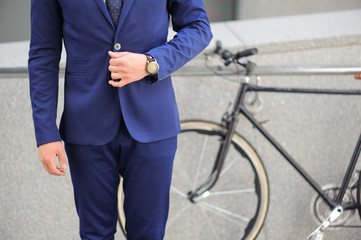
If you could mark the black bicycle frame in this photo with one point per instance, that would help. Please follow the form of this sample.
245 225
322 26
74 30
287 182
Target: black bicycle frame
287 156
231 123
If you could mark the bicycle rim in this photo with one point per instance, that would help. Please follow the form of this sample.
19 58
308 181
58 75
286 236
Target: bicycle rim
237 205
358 192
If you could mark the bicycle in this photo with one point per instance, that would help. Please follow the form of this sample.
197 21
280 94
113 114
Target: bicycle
203 184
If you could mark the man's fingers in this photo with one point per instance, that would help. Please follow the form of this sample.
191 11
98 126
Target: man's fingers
54 170
115 75
62 159
113 54
48 153
113 68
45 165
51 168
45 161
117 54
121 83
129 67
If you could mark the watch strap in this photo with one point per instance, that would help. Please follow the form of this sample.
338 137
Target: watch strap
150 58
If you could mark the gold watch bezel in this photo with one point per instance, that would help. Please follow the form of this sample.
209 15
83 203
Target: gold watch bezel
152 65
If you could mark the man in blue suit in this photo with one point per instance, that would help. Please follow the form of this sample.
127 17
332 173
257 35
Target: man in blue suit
120 116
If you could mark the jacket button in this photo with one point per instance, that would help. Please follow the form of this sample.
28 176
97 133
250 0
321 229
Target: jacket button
117 46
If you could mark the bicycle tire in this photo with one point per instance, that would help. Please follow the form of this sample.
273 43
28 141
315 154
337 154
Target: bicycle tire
237 205
358 192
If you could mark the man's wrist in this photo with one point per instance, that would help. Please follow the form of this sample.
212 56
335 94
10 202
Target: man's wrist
152 68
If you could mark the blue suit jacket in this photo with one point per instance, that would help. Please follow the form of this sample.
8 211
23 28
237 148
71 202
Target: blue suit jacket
93 109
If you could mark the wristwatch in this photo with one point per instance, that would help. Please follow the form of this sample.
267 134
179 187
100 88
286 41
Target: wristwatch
152 66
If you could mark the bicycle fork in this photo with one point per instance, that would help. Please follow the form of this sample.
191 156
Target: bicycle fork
230 122
203 190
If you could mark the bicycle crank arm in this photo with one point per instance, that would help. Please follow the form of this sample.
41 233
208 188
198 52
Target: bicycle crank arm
318 233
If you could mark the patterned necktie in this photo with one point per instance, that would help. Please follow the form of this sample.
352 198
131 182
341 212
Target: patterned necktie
114 7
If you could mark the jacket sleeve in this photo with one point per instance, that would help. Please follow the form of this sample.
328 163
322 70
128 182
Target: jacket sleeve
43 65
191 23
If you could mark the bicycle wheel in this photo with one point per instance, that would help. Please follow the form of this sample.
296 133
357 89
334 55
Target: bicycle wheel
358 192
236 206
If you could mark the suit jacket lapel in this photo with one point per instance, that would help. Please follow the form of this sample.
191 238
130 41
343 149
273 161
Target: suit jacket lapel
123 14
104 10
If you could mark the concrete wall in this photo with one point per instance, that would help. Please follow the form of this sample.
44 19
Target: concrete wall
14 20
320 131
15 15
248 9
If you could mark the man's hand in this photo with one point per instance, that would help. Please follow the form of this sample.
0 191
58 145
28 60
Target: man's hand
47 154
127 66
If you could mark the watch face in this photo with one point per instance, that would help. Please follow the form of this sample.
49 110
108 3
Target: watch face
152 67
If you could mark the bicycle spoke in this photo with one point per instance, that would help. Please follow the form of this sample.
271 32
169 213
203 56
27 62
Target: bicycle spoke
201 157
184 173
180 212
178 192
210 224
233 192
224 211
228 167
230 219
234 203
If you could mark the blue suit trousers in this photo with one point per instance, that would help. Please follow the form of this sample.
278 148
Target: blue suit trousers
146 169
